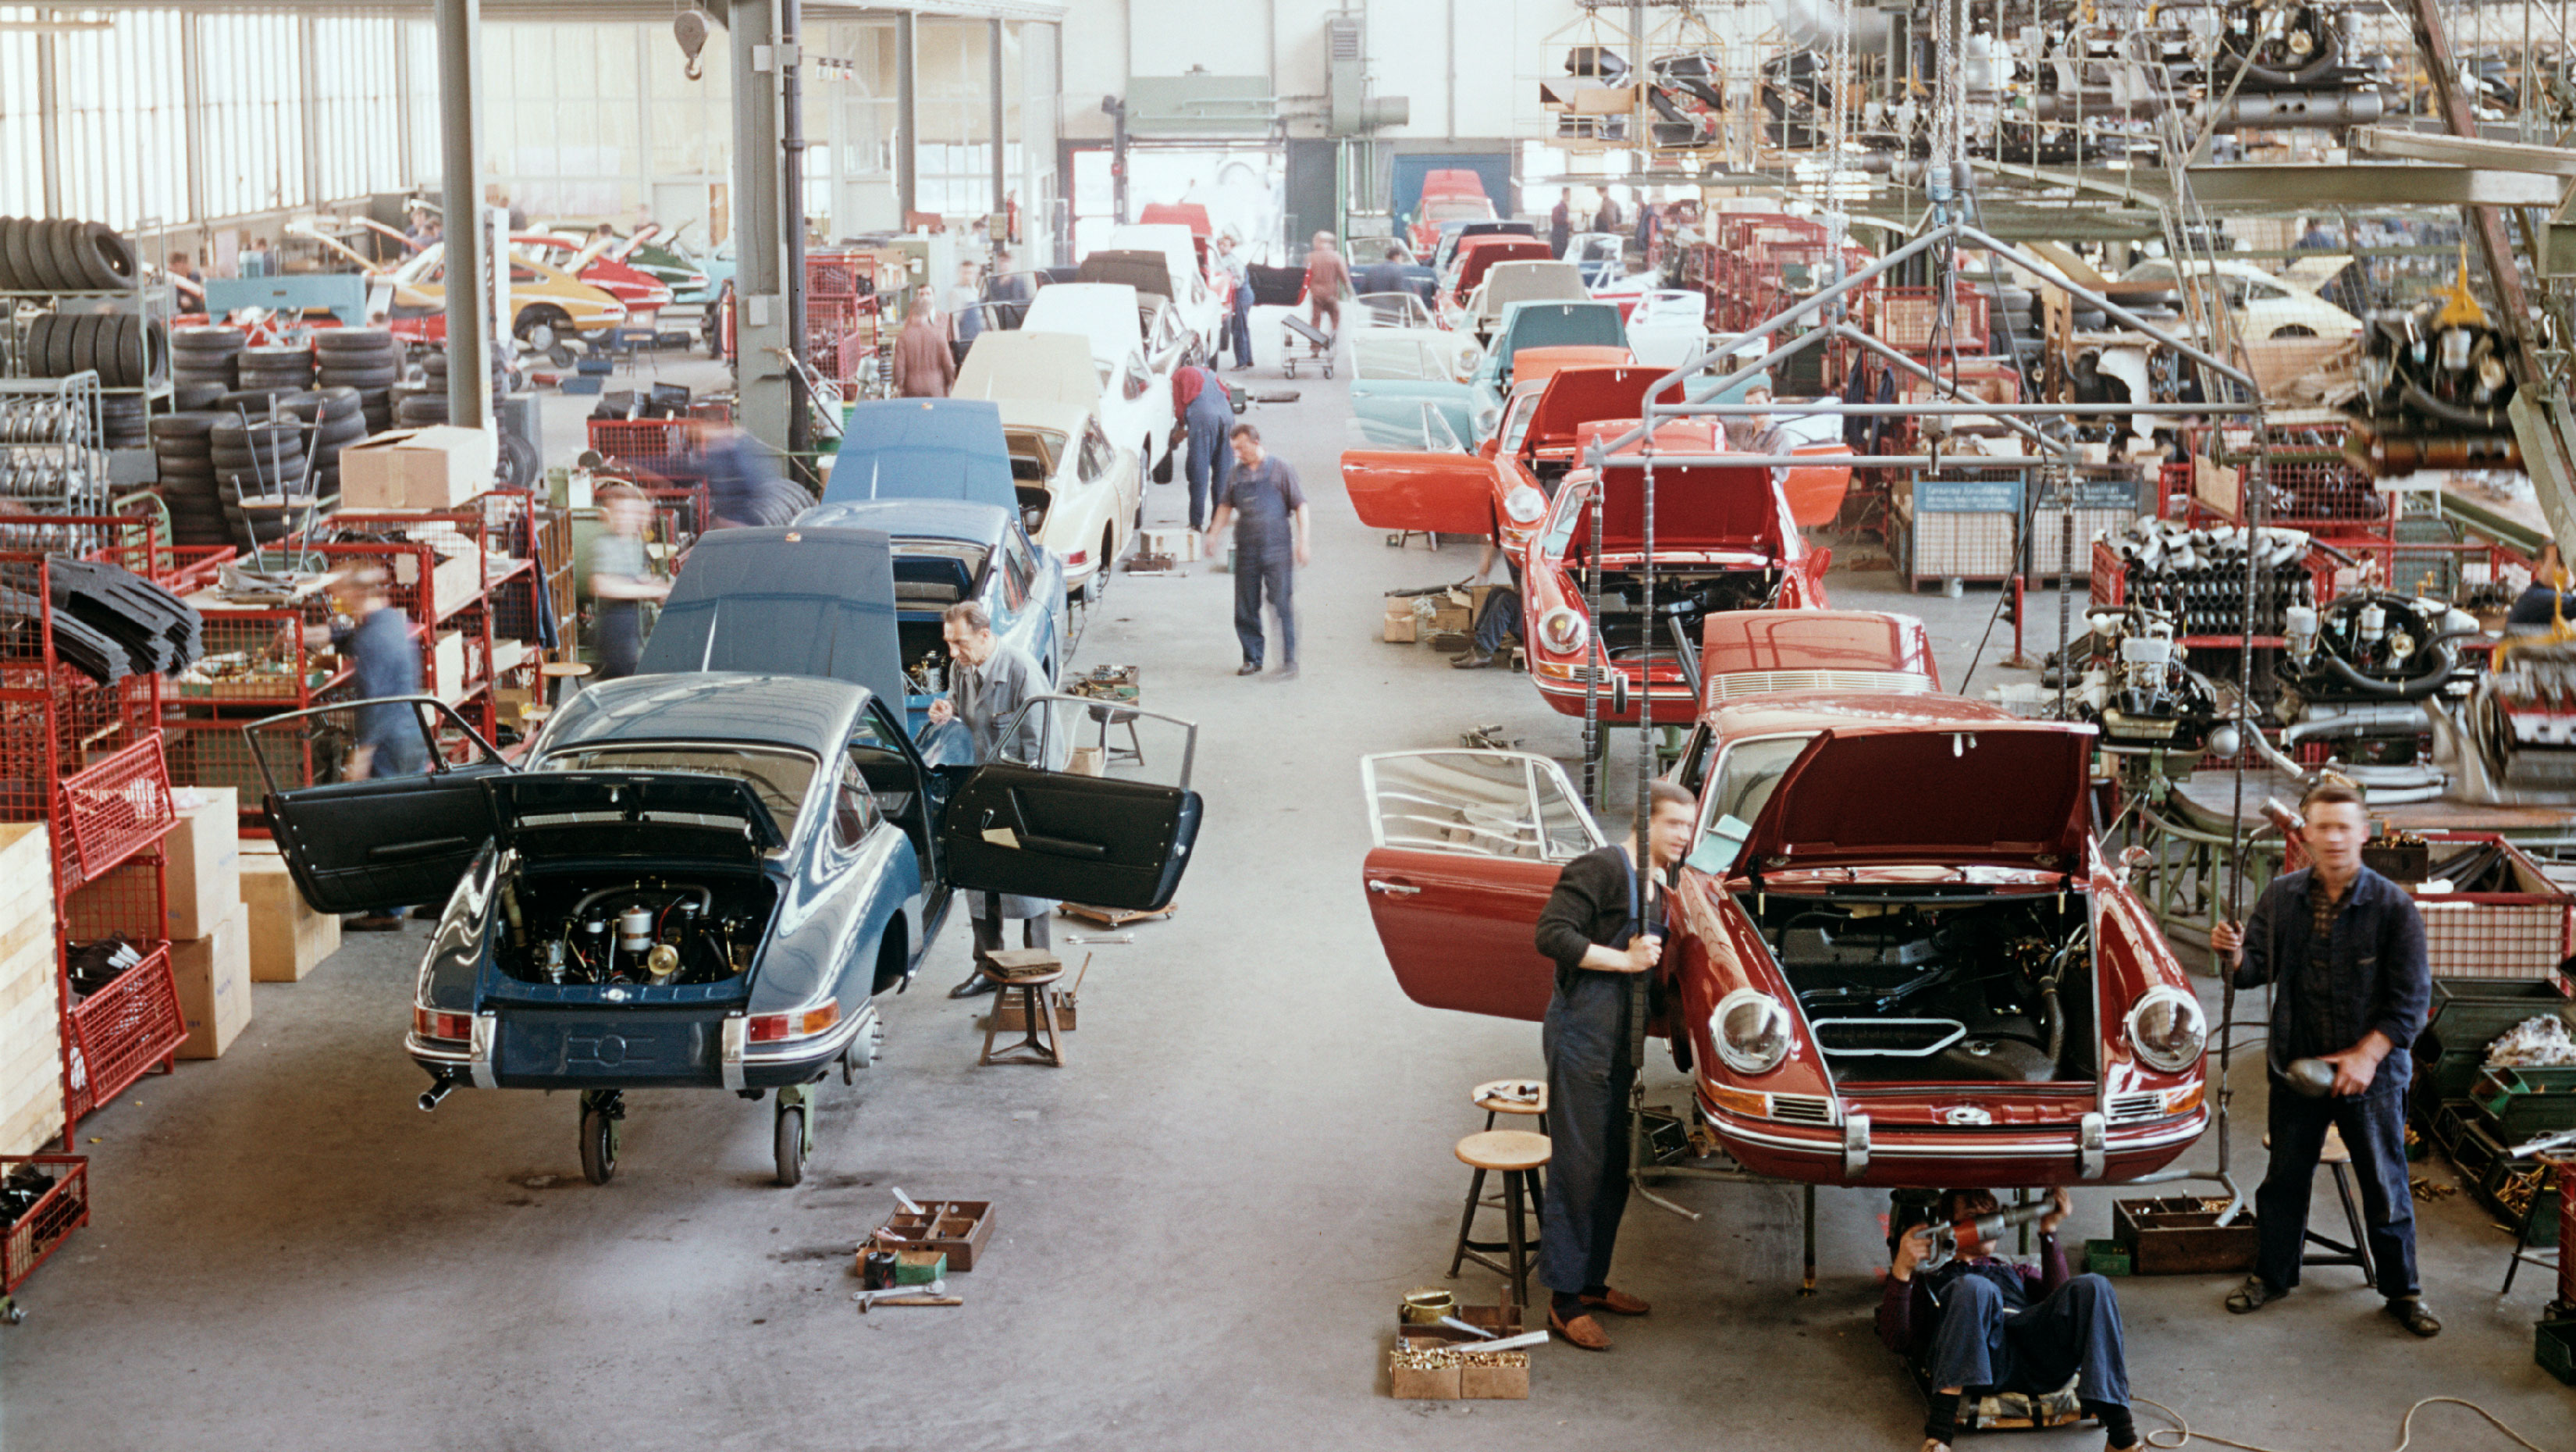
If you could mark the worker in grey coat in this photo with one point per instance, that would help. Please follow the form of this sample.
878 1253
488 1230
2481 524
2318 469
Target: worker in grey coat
988 681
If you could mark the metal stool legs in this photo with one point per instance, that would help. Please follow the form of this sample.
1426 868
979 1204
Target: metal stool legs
2358 1252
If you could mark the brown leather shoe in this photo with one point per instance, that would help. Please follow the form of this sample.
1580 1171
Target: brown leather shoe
1617 1302
1582 1331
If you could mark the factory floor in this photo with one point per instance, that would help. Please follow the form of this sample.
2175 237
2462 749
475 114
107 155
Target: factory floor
1204 1222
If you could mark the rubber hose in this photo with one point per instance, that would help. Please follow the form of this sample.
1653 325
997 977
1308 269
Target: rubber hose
2056 1022
2475 418
2409 690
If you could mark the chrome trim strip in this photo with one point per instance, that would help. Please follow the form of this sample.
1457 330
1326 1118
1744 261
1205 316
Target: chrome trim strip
487 1031
732 1035
1855 1146
1903 1149
421 1048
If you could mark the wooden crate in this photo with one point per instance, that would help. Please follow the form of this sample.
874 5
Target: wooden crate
2180 1235
31 1051
958 1228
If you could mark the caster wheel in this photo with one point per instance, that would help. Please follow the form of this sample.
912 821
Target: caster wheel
790 1146
598 1146
15 1315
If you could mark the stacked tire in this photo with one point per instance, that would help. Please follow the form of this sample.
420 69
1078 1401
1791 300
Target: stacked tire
368 360
183 446
206 356
275 367
333 419
40 255
427 404
260 474
120 421
124 350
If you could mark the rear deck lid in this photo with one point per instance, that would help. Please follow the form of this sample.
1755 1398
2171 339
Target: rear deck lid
631 813
799 601
2007 793
923 448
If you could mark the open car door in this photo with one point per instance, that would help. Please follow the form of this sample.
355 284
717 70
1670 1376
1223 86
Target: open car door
1022 824
1467 847
360 844
1443 492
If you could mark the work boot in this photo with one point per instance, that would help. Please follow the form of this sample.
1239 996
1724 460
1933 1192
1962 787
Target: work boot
975 986
1248 668
2255 1294
2412 1314
1474 660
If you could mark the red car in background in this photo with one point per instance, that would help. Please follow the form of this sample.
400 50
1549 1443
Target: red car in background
1467 266
1448 195
642 294
1898 957
1501 491
1725 540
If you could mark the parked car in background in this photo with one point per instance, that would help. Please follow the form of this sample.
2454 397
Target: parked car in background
546 302
1202 308
1603 257
1506 283
1669 327
1454 233
638 291
1106 316
1450 194
2264 306
1468 264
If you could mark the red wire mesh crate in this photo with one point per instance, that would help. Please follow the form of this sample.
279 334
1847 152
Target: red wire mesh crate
2521 934
1908 319
124 1031
656 445
35 1235
114 809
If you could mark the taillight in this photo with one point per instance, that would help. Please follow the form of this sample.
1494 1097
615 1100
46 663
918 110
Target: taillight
429 1023
1078 557
770 1028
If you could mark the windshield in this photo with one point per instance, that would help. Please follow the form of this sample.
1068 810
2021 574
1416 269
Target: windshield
1568 325
778 776
1747 774
1516 425
1560 526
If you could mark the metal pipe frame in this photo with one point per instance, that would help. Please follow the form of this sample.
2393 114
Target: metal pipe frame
469 261
1836 461
1840 409
2060 448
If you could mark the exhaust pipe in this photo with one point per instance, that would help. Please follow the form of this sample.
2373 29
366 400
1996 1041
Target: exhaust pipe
439 1089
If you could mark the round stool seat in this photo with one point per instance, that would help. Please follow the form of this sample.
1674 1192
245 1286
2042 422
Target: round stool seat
1504 1149
2332 1152
1491 1096
564 668
1020 980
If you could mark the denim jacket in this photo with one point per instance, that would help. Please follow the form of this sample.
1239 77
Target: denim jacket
2381 978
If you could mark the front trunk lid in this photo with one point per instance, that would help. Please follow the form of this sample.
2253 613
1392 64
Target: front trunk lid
2010 793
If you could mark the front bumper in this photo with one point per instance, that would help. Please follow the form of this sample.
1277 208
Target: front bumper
1562 688
1919 1157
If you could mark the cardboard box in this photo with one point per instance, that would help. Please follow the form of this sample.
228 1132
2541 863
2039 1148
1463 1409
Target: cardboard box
1085 762
213 975
431 468
31 1064
204 881
1403 626
455 580
287 938
447 666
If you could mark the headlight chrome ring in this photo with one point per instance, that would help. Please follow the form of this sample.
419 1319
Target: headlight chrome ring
1750 1030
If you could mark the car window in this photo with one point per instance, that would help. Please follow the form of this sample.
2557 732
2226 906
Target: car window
1474 802
1138 380
1516 423
779 777
1098 454
1747 773
854 807
1570 504
1019 570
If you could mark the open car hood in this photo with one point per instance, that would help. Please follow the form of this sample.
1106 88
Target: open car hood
1581 395
801 601
2001 793
1815 640
630 813
1696 507
923 448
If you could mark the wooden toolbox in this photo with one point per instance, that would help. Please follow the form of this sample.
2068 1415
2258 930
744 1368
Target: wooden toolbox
958 1228
2180 1235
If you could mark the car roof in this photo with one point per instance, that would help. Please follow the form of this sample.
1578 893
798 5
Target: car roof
808 713
955 519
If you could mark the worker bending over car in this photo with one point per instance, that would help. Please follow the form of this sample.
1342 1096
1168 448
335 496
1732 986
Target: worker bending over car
1981 1325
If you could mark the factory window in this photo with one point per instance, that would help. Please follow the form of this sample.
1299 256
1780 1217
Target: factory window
122 123
356 108
22 156
251 133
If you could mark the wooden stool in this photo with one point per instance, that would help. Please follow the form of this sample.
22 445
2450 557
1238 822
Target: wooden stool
1026 972
2335 1156
554 673
1487 1098
1517 1156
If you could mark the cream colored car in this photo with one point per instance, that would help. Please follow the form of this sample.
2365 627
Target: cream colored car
1081 496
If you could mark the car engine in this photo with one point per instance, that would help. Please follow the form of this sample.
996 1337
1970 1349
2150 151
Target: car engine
1997 989
644 931
1682 594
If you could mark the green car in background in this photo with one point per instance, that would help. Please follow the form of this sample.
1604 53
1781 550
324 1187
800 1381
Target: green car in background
1411 382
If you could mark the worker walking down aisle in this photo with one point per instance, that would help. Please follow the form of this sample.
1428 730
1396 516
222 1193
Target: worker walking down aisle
1270 535
1201 399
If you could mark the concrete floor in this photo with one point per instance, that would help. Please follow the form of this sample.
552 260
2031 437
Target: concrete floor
1204 1222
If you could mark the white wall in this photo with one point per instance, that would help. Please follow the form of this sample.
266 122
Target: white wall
1501 48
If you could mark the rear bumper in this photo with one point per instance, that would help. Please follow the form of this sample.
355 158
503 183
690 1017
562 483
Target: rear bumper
610 1051
2031 1156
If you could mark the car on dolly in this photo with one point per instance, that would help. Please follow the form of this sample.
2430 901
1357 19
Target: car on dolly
701 879
1725 539
1899 957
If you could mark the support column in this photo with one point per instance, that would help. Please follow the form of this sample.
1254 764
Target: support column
791 193
767 396
308 103
49 128
192 94
907 157
1001 120
469 260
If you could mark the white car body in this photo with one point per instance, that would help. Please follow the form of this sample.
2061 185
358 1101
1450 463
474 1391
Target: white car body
1107 316
1038 366
1201 308
1668 328
1506 283
2265 306
1093 490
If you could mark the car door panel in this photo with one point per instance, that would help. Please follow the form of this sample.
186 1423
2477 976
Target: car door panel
1446 493
378 842
1098 840
1468 846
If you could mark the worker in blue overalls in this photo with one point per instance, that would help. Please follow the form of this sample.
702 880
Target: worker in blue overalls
1201 398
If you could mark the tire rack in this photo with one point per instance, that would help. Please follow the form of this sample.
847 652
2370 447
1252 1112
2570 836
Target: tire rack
156 306
51 422
86 759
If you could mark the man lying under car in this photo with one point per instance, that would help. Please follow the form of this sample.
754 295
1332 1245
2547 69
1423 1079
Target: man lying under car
1981 1325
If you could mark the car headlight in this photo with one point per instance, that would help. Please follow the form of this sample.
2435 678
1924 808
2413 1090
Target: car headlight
2168 1030
1751 1031
1488 419
1524 505
1562 630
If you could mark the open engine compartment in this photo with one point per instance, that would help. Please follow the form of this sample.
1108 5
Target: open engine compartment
1698 590
1991 988
697 927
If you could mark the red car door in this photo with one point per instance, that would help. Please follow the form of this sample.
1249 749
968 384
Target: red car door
1468 845
1443 493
